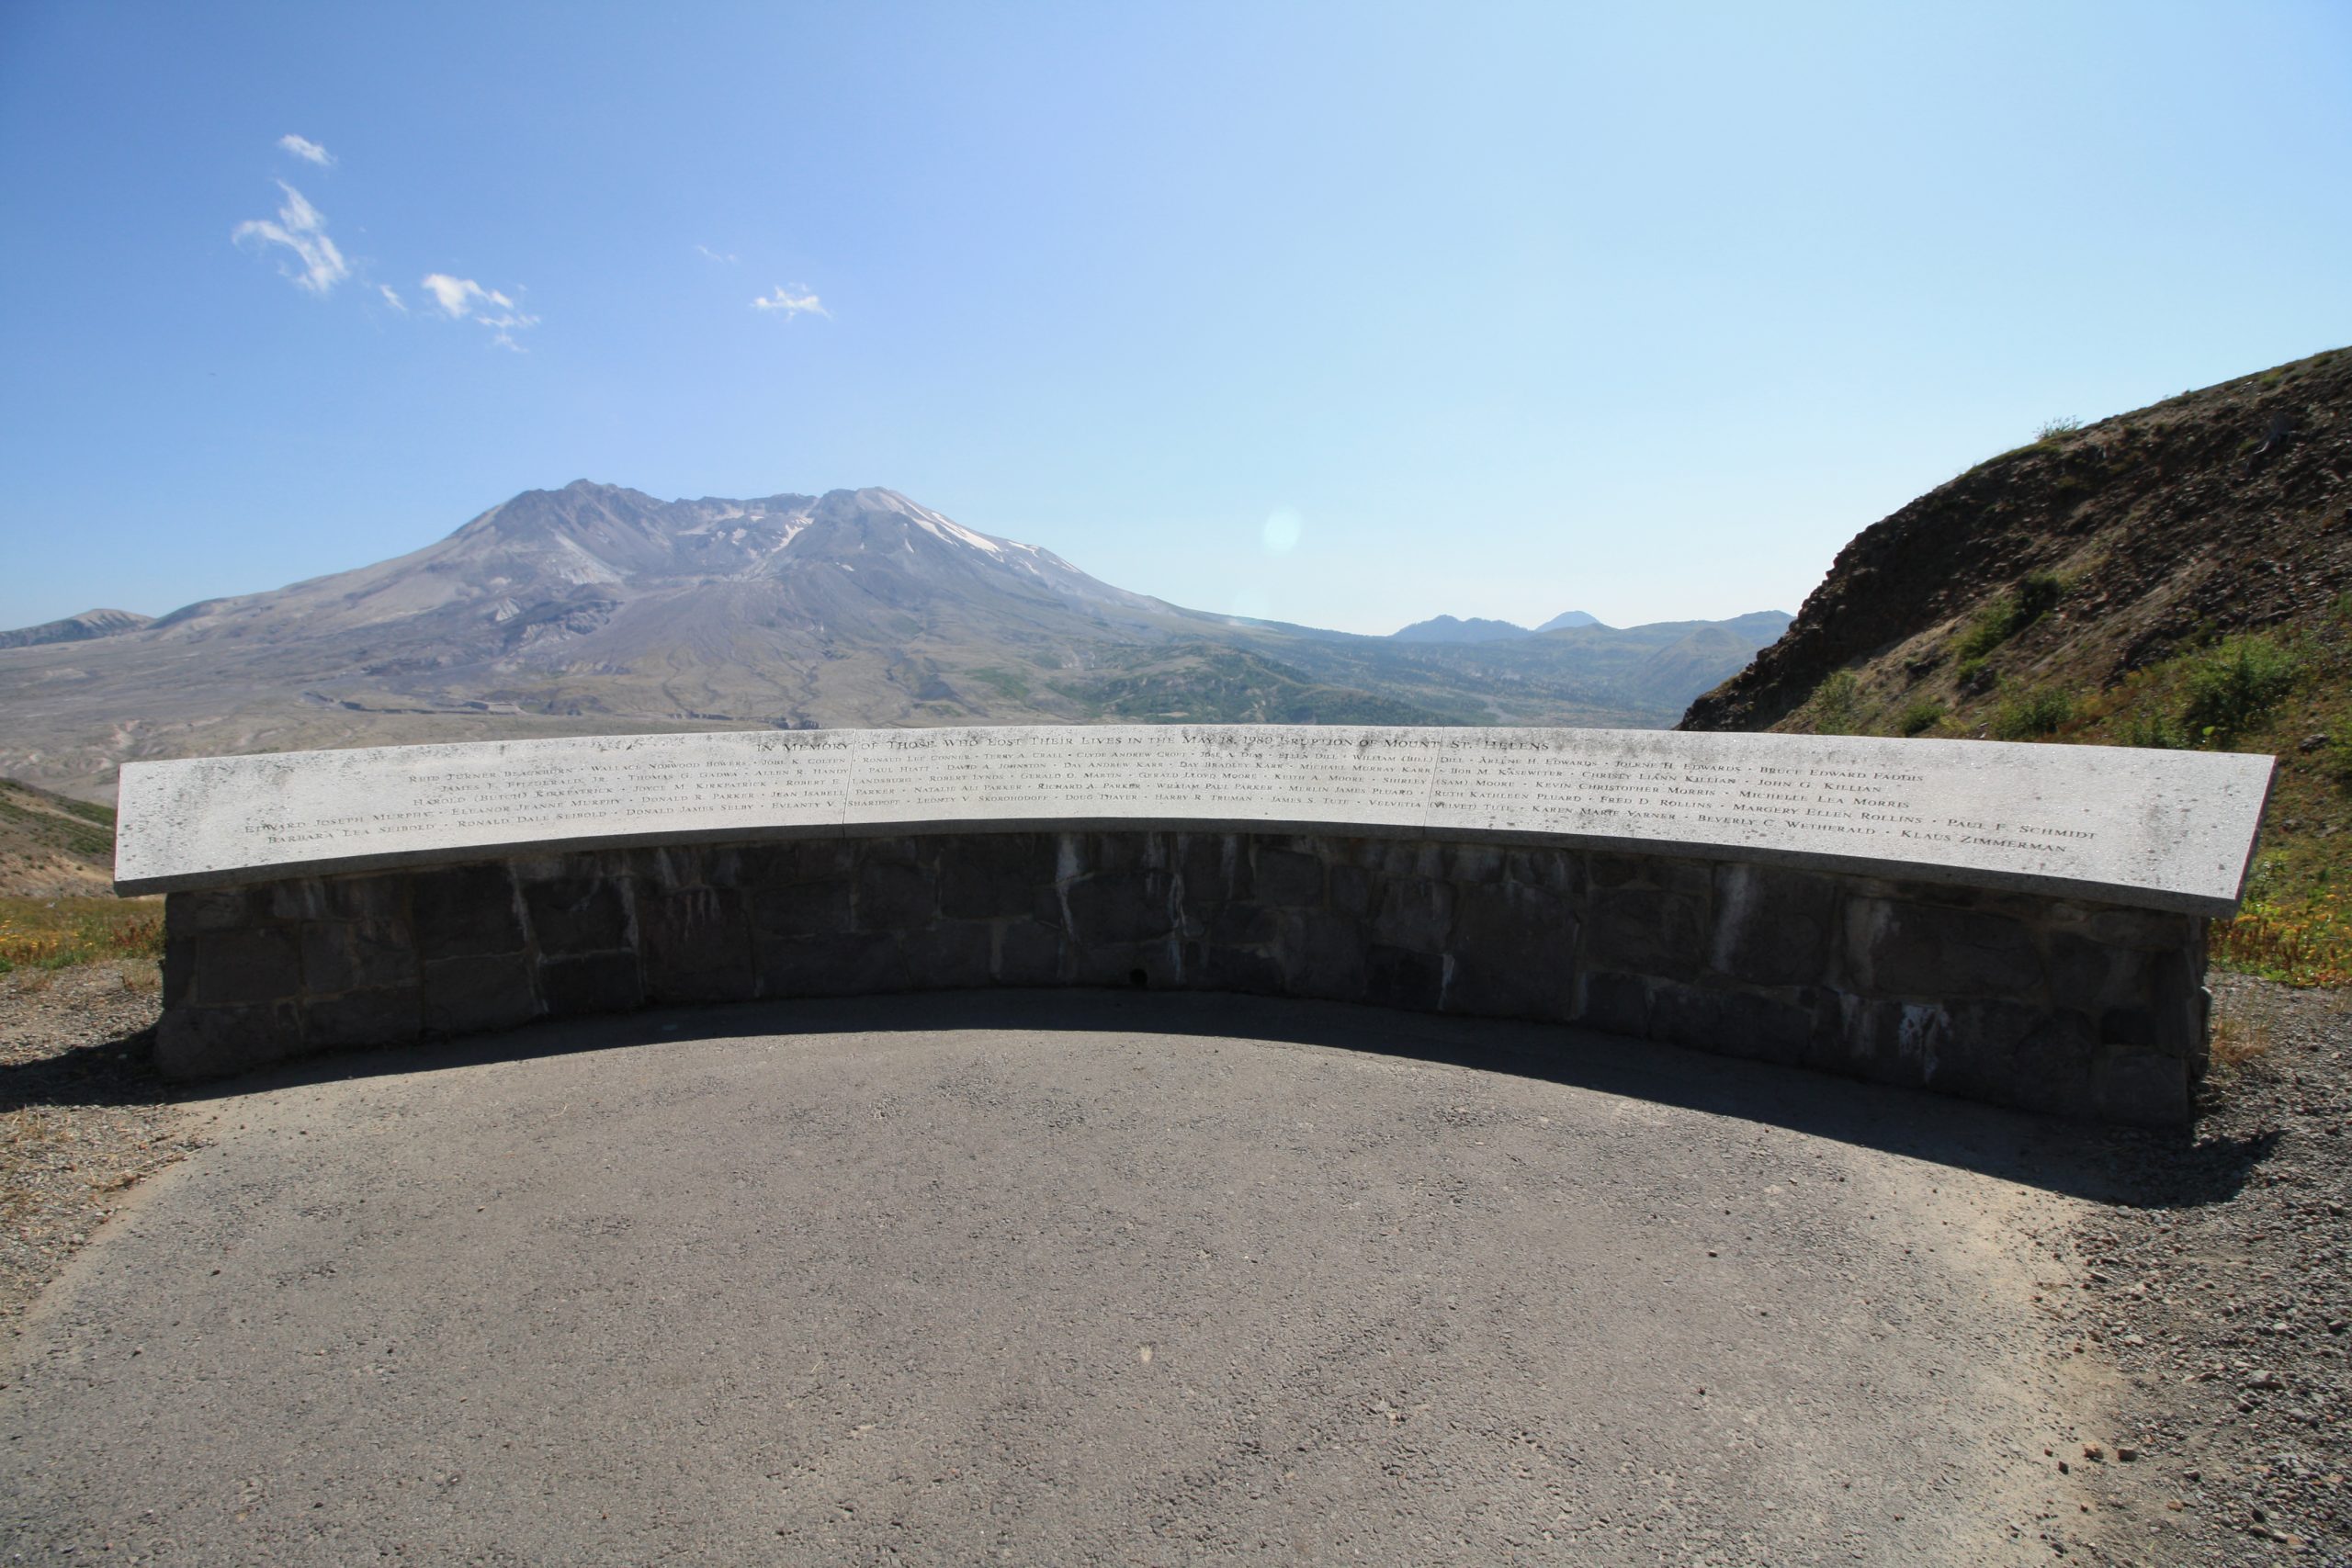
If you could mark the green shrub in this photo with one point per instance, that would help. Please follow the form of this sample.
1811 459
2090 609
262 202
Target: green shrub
1920 717
2338 756
2031 599
2234 685
2032 715
2052 429
1837 703
2154 730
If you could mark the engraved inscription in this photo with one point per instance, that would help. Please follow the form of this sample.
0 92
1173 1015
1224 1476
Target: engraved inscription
2090 817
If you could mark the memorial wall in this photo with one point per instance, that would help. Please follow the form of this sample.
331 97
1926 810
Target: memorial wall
2164 829
2024 925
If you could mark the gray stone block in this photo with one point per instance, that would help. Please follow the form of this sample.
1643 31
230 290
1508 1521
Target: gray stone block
1733 1022
1239 925
856 966
479 991
1616 1004
1121 906
1415 913
1116 964
179 964
219 908
466 910
1555 871
1644 931
895 895
368 898
1351 891
298 898
991 876
1288 877
951 955
389 1016
1900 948
589 983
2142 1088
199 1041
696 945
577 914
1514 925
1468 864
1322 954
1482 988
2017 1054
1887 1042
1216 866
1247 970
352 956
1028 953
1402 977
800 908
1773 926
2152 929
233 967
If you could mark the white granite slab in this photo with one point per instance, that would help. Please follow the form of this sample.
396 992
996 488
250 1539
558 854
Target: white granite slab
2164 830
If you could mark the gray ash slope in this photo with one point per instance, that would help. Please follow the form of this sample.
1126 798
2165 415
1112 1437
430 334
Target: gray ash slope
596 608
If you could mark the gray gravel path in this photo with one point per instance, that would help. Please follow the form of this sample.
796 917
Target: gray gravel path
1060 1278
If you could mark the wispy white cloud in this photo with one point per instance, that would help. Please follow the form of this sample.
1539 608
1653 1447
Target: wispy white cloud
303 231
310 151
790 304
458 296
461 298
729 257
392 299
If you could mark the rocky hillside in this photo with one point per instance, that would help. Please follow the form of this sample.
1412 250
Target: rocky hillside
2180 575
596 608
52 846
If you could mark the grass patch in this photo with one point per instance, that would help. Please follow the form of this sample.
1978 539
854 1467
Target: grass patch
1919 717
1004 683
2032 715
2233 686
2238 1041
2012 613
2056 429
1837 703
54 933
2307 942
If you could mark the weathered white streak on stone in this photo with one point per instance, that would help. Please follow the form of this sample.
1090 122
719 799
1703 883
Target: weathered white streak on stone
2166 830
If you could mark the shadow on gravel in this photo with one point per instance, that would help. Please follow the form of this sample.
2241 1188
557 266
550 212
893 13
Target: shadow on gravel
2138 1169
109 1072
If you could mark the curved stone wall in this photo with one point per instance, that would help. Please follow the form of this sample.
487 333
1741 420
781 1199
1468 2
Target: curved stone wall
2082 1008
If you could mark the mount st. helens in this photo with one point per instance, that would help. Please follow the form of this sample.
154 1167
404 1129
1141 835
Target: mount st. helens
2180 575
597 609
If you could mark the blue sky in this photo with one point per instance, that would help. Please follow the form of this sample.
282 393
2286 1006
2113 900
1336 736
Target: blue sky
1342 314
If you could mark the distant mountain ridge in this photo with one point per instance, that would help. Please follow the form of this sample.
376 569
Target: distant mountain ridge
597 609
1446 628
84 628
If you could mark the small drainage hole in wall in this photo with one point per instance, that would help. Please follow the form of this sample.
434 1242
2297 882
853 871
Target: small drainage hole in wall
1137 978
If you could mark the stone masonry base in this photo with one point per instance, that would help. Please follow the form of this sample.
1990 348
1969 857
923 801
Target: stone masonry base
2079 1008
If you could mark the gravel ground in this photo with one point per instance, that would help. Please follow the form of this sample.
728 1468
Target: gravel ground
82 1114
2216 1280
2201 1286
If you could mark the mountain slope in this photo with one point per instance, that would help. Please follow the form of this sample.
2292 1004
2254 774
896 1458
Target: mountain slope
88 625
596 608
2177 575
